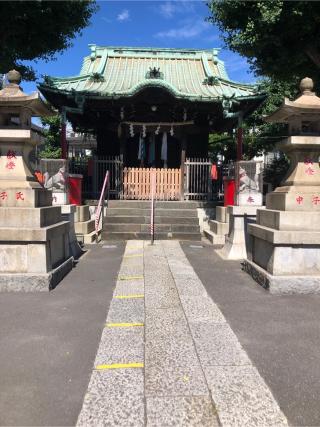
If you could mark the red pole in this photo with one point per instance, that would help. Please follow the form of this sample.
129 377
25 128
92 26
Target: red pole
63 135
153 184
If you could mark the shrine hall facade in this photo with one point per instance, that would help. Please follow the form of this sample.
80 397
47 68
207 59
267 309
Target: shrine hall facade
152 107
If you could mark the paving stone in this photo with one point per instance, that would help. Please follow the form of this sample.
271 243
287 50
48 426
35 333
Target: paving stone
120 383
217 345
125 287
161 275
161 297
177 350
201 308
182 272
121 345
185 335
131 270
133 251
132 283
190 287
114 397
165 322
128 412
181 412
126 311
242 398
168 380
132 260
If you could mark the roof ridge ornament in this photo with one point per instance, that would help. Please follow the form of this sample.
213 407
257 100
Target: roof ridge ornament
47 80
211 80
154 73
97 77
215 53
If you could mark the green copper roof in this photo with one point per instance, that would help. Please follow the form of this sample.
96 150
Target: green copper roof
116 72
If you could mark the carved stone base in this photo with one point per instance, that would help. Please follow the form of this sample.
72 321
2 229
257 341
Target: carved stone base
282 285
35 282
238 244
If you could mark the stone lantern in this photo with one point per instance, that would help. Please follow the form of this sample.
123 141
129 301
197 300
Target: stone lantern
34 247
286 238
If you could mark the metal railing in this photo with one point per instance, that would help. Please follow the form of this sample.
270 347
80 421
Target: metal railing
99 210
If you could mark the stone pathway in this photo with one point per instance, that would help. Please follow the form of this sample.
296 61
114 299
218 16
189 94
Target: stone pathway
167 355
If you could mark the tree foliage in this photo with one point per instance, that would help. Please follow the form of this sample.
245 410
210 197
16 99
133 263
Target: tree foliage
276 171
52 131
280 39
34 30
259 136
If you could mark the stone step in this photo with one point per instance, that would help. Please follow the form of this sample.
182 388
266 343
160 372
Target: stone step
82 213
222 214
146 220
146 236
145 228
182 213
92 237
215 239
145 204
85 227
219 227
191 203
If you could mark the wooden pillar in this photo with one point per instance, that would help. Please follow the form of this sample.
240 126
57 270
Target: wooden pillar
239 139
182 166
122 141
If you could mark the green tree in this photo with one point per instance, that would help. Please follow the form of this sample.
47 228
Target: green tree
34 30
280 39
259 136
276 171
52 145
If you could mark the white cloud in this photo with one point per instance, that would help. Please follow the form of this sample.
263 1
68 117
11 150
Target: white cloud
186 31
170 8
167 9
123 16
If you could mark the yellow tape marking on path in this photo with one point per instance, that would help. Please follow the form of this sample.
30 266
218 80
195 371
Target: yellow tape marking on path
128 296
132 256
119 366
130 277
123 325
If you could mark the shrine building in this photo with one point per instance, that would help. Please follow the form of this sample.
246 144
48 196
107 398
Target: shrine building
152 107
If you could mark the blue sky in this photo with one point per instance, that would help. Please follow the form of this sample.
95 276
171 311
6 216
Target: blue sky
145 23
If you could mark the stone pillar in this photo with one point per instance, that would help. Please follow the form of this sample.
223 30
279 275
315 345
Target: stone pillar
248 178
286 239
34 242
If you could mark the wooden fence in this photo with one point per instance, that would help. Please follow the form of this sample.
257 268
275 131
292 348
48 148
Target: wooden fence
134 183
137 183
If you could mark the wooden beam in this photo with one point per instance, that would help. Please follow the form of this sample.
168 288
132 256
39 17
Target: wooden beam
122 138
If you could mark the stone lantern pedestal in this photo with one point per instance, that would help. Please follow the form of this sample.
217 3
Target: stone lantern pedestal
286 238
34 243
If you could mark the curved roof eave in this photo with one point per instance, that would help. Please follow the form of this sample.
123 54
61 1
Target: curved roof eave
144 85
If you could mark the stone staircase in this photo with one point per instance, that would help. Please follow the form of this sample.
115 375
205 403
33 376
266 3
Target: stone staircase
84 226
218 228
130 219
